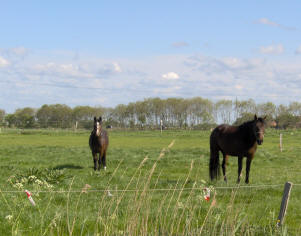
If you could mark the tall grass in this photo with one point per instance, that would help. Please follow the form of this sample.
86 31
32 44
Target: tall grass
140 215
134 199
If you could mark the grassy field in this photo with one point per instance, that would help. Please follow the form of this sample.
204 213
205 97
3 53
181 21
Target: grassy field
155 185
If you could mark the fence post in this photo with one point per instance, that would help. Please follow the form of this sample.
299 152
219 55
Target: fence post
284 203
280 142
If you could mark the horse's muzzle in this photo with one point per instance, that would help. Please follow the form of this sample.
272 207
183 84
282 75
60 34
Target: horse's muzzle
259 141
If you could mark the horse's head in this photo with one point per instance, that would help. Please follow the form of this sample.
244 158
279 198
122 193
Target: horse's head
259 125
97 125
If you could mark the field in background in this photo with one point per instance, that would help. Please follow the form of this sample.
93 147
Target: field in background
56 165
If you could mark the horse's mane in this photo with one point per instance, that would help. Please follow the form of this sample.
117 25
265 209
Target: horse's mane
246 124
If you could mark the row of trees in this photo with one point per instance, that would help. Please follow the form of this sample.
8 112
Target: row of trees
172 112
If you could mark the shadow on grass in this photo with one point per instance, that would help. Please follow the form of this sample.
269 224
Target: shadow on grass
67 166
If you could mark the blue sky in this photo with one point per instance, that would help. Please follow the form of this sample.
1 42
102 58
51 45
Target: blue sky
111 52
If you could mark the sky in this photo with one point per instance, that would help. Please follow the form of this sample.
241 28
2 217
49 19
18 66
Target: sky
105 53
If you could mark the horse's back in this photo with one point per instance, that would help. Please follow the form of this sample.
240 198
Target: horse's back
221 132
227 139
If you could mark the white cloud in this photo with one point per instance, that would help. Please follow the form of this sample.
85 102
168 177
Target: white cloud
170 91
170 76
239 87
97 81
3 62
266 21
20 51
59 70
117 67
272 49
234 62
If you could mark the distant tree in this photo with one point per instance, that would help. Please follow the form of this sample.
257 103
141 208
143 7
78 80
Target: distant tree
287 120
269 110
223 111
244 118
108 115
156 110
294 108
195 112
281 110
85 114
2 116
119 115
143 113
266 109
131 115
58 116
200 111
25 118
242 107
11 120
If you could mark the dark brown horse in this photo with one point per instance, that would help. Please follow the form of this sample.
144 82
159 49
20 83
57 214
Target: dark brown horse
98 143
240 141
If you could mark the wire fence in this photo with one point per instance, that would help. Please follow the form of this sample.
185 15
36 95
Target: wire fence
264 186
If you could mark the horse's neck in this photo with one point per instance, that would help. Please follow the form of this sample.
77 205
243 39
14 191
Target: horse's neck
94 132
247 130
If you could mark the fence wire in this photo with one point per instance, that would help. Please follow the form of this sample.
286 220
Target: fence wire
84 190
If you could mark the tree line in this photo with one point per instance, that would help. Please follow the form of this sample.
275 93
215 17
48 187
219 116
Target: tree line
194 113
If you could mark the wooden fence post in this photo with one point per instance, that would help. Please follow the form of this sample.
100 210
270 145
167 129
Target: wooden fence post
284 203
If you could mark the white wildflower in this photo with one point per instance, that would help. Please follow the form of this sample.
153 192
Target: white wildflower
18 185
32 178
47 185
38 182
8 217
24 180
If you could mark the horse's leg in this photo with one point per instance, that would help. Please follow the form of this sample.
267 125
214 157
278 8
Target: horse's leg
249 160
99 161
225 158
239 168
103 159
94 160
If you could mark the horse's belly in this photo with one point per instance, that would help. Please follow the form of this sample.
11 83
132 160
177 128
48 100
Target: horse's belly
238 150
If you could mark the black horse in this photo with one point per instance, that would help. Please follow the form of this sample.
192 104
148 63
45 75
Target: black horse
98 143
240 141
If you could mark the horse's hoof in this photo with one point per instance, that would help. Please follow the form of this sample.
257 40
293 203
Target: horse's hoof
105 168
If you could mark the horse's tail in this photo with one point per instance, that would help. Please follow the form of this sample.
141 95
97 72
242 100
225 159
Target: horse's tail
214 166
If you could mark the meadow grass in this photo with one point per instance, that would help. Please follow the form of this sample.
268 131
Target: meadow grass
153 185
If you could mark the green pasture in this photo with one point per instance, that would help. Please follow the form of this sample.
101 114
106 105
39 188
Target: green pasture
155 184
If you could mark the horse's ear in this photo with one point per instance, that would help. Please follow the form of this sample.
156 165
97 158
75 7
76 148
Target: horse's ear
100 119
255 117
94 118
